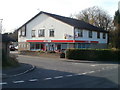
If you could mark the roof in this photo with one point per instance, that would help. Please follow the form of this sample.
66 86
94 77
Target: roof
6 38
71 21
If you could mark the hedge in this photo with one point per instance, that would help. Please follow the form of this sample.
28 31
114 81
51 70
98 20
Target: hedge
93 54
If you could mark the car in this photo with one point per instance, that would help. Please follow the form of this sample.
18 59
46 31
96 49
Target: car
16 48
12 48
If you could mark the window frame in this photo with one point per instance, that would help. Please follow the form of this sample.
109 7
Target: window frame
90 34
80 33
104 35
98 35
23 31
51 33
32 33
41 33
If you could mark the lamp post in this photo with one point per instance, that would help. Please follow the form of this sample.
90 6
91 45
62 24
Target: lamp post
119 6
1 25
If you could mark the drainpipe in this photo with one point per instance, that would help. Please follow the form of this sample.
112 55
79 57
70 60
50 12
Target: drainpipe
74 36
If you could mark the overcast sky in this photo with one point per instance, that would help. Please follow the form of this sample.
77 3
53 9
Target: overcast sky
16 12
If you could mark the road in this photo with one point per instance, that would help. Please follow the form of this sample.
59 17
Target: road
61 73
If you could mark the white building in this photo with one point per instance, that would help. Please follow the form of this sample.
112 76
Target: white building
47 31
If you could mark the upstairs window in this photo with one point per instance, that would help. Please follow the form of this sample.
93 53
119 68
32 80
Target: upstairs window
80 33
98 34
90 34
104 35
41 33
33 33
23 31
51 33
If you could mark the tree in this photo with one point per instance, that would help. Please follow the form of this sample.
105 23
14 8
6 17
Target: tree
116 33
97 17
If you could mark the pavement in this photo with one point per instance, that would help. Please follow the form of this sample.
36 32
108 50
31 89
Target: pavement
16 71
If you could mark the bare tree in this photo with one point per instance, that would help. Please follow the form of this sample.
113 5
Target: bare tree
96 16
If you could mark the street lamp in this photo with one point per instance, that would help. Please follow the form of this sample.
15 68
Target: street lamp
1 25
119 6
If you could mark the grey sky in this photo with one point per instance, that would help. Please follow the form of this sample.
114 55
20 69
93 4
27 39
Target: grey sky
16 12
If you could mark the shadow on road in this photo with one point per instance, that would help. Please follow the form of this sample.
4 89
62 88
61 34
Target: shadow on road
78 81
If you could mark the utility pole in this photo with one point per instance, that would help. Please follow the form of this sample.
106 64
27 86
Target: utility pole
119 6
1 25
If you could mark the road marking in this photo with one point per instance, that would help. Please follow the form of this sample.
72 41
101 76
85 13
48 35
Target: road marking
33 80
47 78
76 63
18 81
69 75
58 77
93 65
84 73
91 71
3 83
77 74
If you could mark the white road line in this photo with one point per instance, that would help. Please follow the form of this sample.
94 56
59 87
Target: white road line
77 74
93 65
69 75
47 78
33 80
3 83
84 73
18 81
91 71
58 77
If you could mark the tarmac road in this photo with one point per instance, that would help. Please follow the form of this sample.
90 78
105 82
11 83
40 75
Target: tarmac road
62 73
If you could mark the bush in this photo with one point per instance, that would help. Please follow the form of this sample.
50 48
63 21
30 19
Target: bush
93 54
11 61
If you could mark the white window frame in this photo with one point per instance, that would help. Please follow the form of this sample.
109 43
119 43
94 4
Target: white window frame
104 35
90 34
33 33
41 33
51 32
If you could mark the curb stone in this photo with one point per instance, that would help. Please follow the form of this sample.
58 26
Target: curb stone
4 76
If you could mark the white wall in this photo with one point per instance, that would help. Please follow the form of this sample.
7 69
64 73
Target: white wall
94 37
21 39
45 22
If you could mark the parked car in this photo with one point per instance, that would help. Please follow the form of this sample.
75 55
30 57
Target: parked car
12 48
16 48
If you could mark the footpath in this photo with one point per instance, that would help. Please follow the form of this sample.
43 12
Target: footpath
16 71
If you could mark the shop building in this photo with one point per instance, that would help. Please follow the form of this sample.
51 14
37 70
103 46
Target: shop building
50 32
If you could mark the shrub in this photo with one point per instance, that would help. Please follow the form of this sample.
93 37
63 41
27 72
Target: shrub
11 61
93 54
